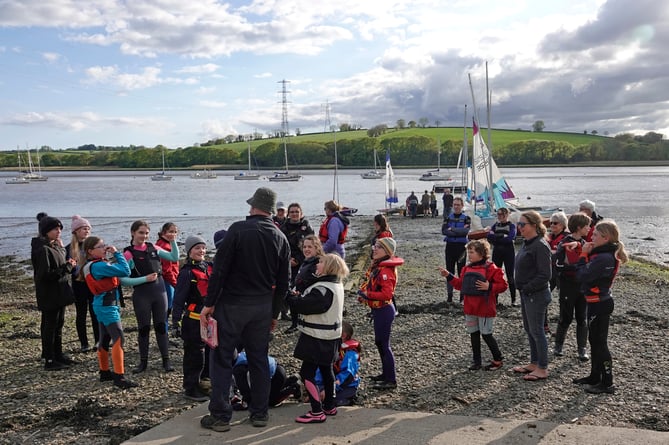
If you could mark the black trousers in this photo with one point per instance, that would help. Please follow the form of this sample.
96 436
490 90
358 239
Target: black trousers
453 253
51 331
600 356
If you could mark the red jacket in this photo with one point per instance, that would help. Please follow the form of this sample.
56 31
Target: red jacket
380 283
482 306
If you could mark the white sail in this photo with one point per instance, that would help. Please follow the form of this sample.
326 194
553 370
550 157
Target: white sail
391 189
483 166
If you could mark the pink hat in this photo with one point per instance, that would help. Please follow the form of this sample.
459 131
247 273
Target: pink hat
78 222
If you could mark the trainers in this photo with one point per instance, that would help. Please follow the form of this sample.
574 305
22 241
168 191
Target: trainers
212 423
106 376
474 367
585 381
600 389
330 412
123 383
557 351
385 385
66 360
311 418
196 395
54 365
583 355
84 348
494 365
377 378
259 420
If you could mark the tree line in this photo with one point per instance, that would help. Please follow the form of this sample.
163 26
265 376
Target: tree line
404 151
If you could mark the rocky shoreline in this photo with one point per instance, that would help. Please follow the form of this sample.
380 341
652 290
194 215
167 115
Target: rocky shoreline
431 348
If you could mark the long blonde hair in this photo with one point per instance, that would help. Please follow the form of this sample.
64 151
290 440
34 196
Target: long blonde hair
609 229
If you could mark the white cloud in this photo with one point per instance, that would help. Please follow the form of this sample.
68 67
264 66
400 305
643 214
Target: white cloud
199 69
213 104
51 57
264 75
78 121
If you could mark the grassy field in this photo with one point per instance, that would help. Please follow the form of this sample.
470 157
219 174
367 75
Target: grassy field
500 137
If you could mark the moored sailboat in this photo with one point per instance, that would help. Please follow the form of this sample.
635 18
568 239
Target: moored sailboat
391 190
162 176
373 174
248 175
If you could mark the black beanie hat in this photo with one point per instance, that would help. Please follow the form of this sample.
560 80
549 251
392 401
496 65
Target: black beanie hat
47 224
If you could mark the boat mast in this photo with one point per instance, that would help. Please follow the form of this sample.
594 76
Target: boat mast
491 199
329 126
284 119
464 177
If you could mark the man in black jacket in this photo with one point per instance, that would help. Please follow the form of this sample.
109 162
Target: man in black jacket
248 283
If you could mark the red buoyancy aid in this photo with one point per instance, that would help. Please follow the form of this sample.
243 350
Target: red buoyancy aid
170 268
201 280
102 285
323 231
374 279
348 345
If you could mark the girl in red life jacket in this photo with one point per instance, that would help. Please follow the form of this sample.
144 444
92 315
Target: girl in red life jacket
572 302
103 279
480 282
189 296
377 293
167 234
596 270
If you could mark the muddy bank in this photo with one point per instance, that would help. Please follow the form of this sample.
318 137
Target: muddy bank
431 348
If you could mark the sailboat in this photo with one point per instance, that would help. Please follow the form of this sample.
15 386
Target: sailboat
435 175
373 174
162 176
488 188
34 174
247 175
285 176
346 211
21 178
391 190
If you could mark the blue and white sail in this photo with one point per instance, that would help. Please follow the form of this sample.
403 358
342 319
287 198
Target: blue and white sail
391 189
489 186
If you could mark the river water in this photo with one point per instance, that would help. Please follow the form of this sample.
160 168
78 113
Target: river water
636 197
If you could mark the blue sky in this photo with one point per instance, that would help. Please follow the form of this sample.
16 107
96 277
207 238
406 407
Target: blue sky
111 72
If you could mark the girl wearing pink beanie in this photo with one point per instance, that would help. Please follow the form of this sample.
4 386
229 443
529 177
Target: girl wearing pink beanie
83 298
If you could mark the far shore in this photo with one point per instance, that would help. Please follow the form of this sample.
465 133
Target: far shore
360 167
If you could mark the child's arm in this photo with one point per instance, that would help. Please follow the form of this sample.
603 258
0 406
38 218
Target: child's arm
497 281
172 255
456 282
317 301
348 370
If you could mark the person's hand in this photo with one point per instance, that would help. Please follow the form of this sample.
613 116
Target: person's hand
72 262
274 324
110 249
444 273
293 262
362 297
176 330
205 313
587 248
151 277
482 285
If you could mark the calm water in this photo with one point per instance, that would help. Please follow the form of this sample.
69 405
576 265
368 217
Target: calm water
637 198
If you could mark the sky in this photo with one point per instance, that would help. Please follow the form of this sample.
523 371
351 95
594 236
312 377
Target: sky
178 73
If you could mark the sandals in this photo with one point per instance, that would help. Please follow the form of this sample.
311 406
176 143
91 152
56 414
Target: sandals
531 377
522 370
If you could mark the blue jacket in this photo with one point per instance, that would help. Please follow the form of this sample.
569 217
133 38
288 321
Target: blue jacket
456 228
107 314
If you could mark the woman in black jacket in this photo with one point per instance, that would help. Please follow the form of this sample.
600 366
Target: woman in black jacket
52 275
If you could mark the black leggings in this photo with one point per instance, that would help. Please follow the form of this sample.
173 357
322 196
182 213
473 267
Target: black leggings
506 255
308 374
600 356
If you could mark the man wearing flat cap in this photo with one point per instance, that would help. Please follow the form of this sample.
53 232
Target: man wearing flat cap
245 295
